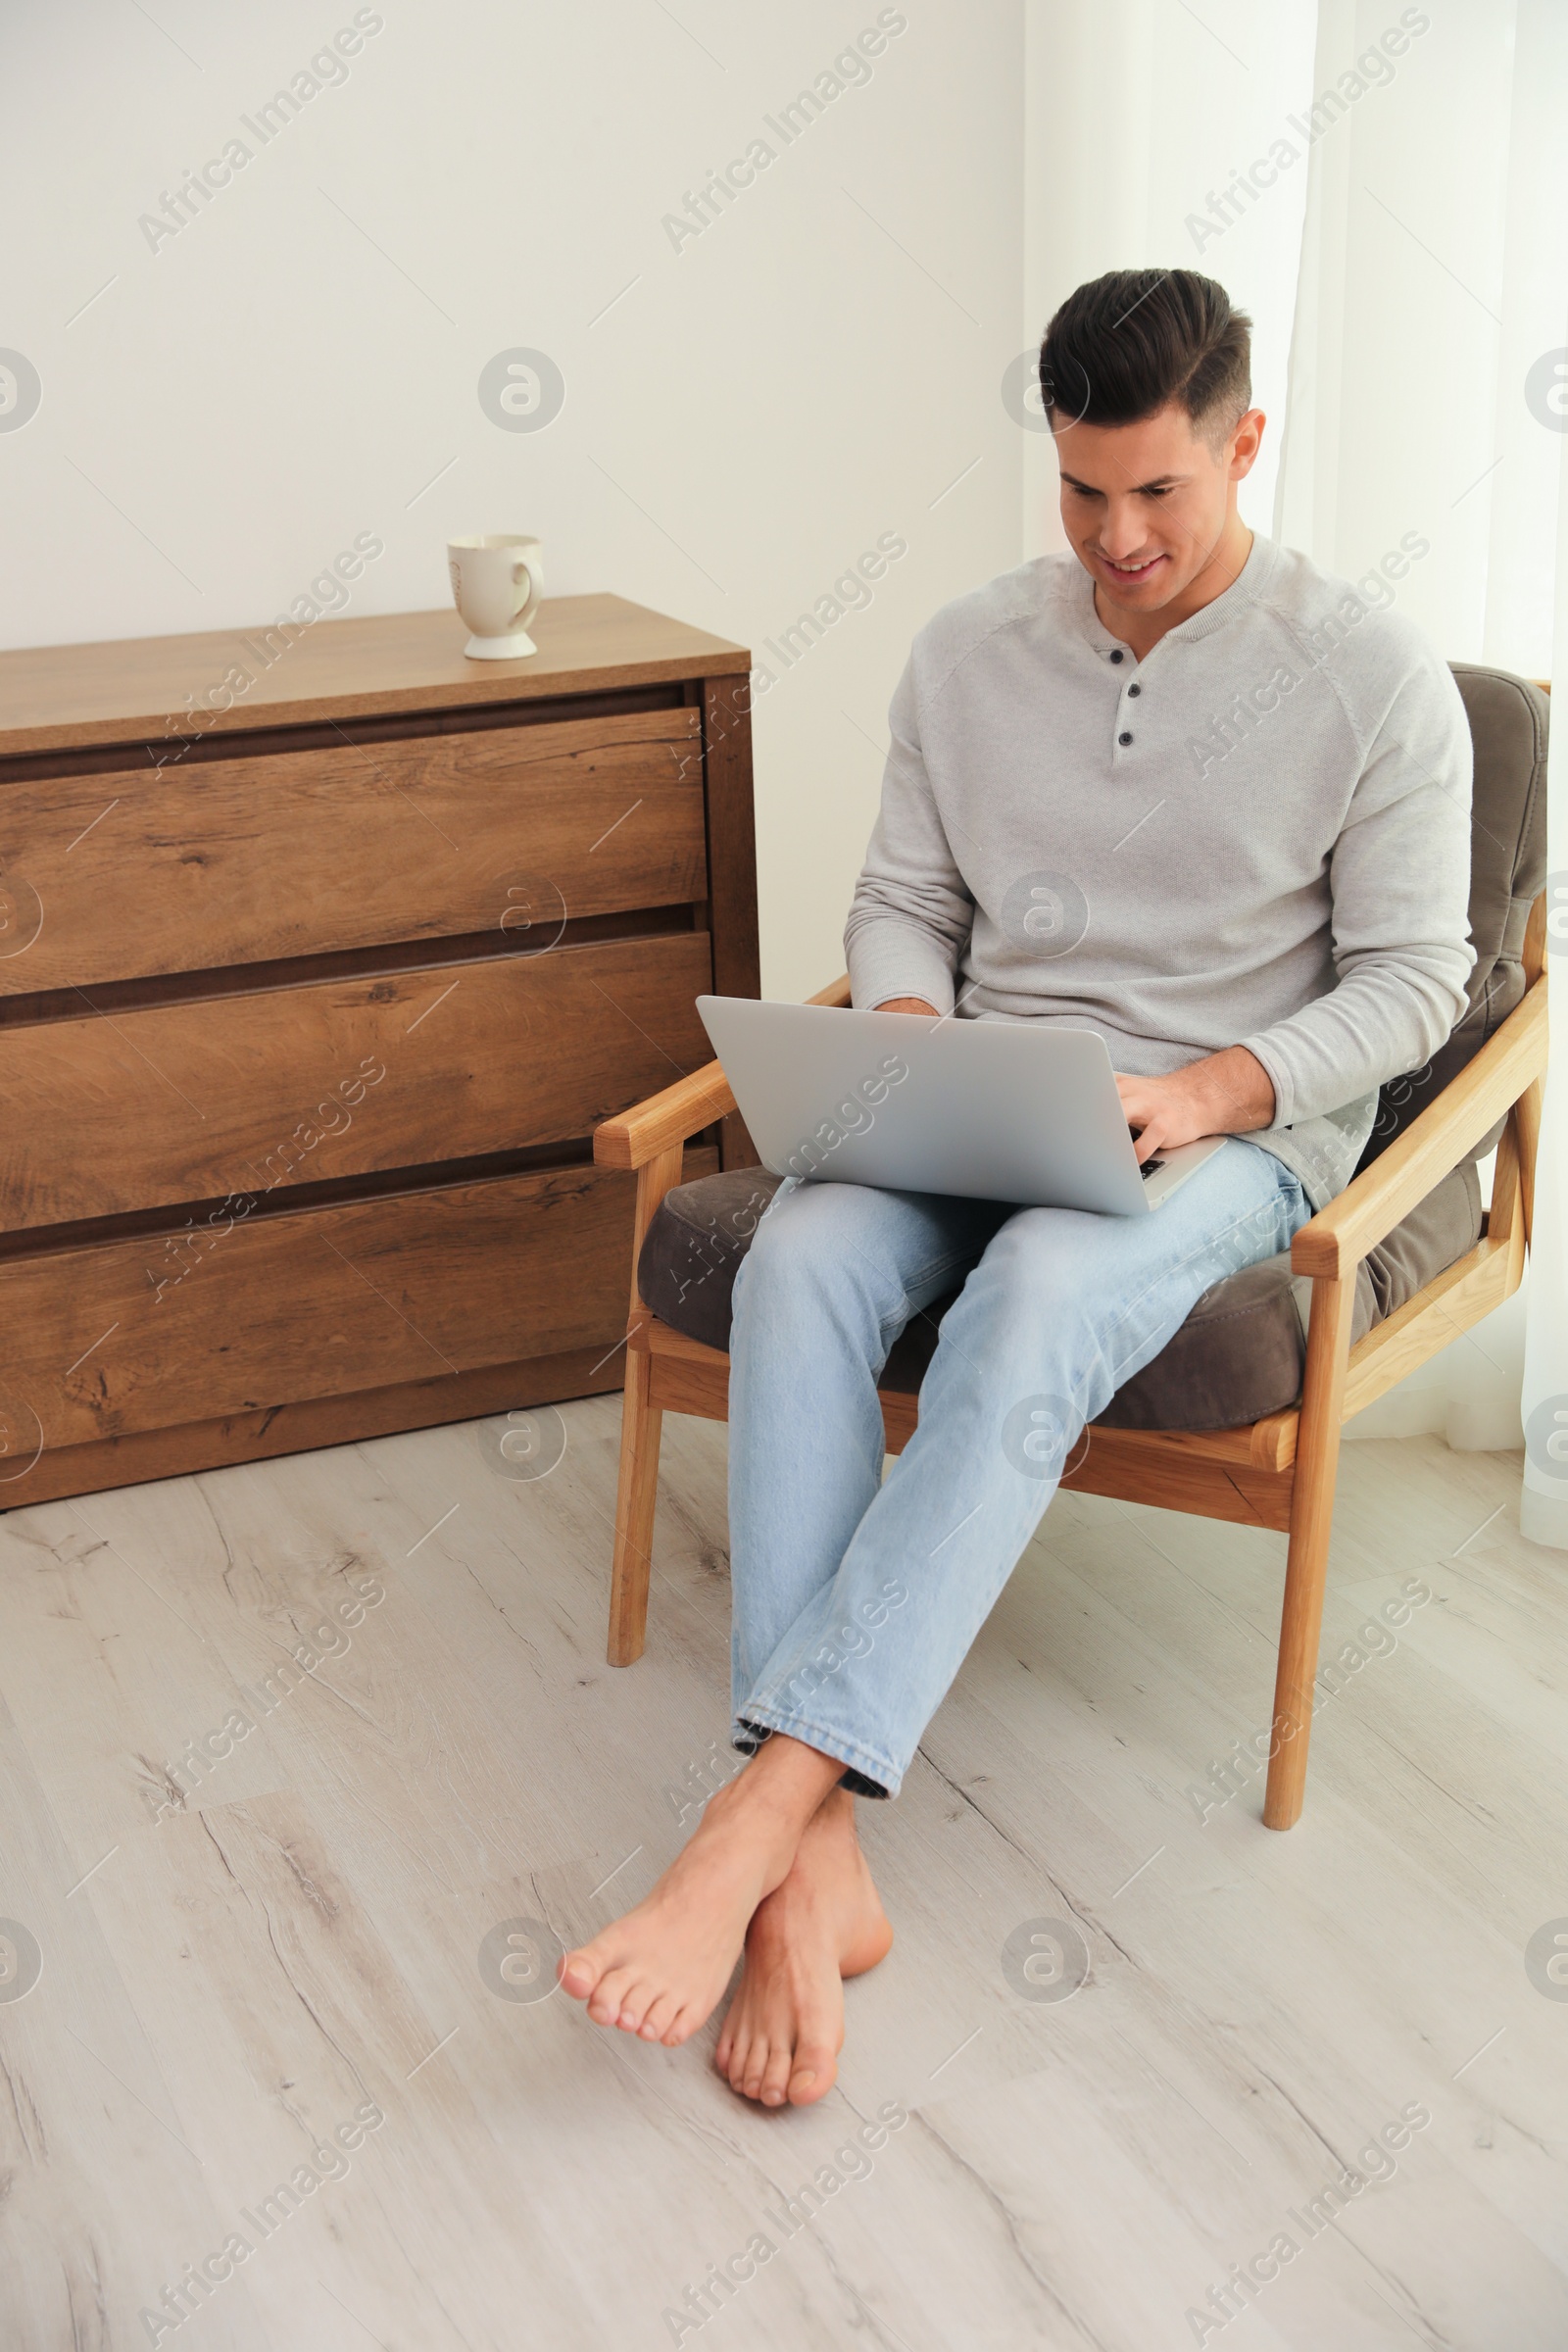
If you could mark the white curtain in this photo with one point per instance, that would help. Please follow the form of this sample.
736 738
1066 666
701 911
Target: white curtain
1544 1503
1384 188
1424 399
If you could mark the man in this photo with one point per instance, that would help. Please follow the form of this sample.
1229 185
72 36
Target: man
1178 787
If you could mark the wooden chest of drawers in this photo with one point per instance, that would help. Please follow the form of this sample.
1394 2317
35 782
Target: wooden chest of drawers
312 992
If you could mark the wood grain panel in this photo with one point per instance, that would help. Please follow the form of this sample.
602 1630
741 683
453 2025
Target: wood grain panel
731 835
242 860
320 1303
732 866
177 688
1472 1287
266 1430
1179 1469
1140 1465
196 1099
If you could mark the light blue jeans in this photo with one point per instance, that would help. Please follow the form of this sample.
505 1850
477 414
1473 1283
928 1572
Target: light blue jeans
856 1600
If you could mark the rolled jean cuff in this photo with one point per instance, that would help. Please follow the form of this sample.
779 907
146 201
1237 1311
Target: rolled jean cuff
865 1775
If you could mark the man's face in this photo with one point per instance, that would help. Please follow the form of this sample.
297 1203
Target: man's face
1145 505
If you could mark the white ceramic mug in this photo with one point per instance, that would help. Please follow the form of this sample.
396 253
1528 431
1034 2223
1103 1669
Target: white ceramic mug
497 579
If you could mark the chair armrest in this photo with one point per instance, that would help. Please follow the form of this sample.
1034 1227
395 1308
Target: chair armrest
639 1135
836 993
1339 1236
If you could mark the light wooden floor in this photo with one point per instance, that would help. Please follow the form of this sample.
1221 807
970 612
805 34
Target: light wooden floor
223 1985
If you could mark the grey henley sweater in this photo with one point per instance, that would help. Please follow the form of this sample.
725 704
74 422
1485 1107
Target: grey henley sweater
1257 835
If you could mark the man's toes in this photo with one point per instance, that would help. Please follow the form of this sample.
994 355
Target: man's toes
579 1973
727 2042
605 2002
635 2003
739 2057
682 2027
816 2065
658 2016
772 2079
748 2066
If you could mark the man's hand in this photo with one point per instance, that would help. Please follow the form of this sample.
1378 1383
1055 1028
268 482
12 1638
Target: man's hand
1224 1094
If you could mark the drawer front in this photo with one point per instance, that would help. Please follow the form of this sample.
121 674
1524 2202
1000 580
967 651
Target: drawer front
246 1094
310 1303
117 875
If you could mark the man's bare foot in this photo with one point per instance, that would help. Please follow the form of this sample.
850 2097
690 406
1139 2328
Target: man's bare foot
823 1922
660 1970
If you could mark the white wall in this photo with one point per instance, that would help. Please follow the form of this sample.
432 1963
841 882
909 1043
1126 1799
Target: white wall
301 360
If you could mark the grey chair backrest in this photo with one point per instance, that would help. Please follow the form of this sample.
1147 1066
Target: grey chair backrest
1508 719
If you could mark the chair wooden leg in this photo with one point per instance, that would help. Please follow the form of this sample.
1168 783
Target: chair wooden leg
640 1426
635 1496
1317 1460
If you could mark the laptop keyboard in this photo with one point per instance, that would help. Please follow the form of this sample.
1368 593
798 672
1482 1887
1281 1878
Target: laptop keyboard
1151 1167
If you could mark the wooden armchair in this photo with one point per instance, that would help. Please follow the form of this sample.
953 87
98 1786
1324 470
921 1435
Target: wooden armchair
1277 1471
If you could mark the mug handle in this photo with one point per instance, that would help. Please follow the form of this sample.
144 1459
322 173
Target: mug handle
522 568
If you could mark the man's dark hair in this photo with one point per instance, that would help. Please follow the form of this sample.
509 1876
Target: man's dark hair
1135 340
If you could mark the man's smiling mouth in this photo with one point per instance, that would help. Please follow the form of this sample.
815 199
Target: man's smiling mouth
1132 571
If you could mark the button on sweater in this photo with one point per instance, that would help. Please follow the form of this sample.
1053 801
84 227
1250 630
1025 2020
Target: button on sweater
1258 835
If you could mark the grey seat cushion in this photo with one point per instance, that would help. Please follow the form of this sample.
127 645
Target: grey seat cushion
1240 1354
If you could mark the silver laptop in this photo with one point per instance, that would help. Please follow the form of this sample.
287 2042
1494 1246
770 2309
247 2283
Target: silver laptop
993 1110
